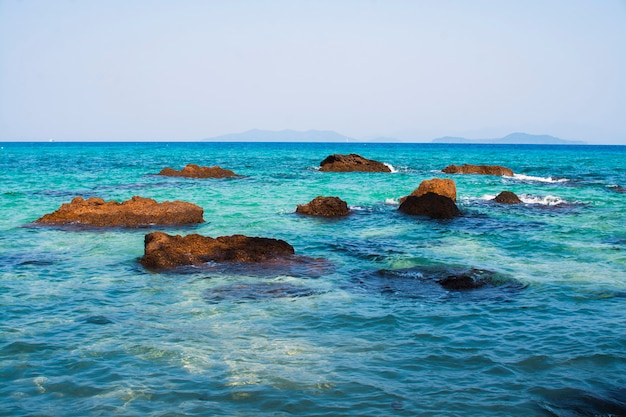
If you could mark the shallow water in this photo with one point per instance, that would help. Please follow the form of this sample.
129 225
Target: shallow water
366 330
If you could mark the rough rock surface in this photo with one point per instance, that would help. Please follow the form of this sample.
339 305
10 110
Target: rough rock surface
479 169
166 251
325 207
432 205
442 186
196 171
460 282
507 197
351 163
135 212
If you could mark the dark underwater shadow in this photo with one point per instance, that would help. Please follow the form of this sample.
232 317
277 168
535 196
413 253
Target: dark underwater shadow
438 283
83 227
255 291
570 402
295 266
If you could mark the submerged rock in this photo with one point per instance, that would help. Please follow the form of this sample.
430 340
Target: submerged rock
196 171
479 169
507 197
166 251
438 282
460 282
255 292
617 188
136 212
430 204
351 163
324 207
442 186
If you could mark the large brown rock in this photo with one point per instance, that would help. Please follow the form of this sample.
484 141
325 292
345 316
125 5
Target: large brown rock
166 251
351 163
196 171
136 212
324 207
479 169
432 205
507 197
442 186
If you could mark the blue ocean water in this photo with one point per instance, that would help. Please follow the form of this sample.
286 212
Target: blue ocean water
365 330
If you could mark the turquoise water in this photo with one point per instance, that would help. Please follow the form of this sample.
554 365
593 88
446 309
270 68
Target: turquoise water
363 330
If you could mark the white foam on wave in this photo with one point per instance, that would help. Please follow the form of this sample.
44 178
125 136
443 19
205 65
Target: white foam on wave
393 170
523 177
392 201
548 200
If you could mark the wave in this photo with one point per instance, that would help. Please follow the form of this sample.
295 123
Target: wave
393 170
548 200
523 177
392 201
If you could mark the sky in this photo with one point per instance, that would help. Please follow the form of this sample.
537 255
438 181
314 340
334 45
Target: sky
414 70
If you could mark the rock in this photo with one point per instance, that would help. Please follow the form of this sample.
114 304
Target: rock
617 188
324 207
442 186
479 169
435 281
507 197
432 205
136 212
351 163
460 282
196 171
166 251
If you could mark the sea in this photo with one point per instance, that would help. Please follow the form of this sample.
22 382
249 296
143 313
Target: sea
361 327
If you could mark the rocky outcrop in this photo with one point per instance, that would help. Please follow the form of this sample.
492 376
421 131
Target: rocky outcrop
163 251
136 212
432 205
442 186
460 282
324 207
507 197
196 171
479 169
351 163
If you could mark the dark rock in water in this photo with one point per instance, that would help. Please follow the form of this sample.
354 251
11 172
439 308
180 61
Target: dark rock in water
196 171
351 163
136 212
324 207
442 186
479 169
578 403
507 197
255 292
432 205
166 251
460 282
98 320
431 282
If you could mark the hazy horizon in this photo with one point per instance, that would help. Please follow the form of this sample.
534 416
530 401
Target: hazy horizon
161 70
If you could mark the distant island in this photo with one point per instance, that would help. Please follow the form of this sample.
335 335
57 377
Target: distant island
257 135
329 136
513 139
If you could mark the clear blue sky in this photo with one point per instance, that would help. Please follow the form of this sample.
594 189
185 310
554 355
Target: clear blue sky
412 69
